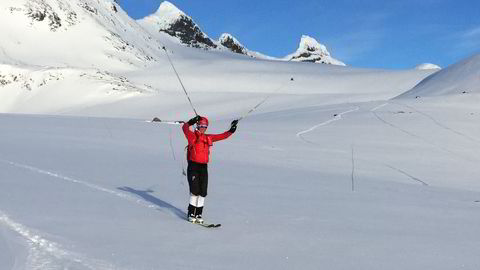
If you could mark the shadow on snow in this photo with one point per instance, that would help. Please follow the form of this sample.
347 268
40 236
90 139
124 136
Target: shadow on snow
145 194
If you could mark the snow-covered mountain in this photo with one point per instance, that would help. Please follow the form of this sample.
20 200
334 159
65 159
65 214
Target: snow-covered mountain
460 78
427 66
71 50
232 44
311 50
171 20
74 33
87 53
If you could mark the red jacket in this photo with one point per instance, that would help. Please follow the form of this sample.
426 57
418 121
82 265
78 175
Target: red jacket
199 144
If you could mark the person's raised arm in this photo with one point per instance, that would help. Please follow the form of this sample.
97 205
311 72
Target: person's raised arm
226 134
186 128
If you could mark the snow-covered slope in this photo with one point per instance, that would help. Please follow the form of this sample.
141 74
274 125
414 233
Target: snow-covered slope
52 90
459 78
74 33
174 22
310 50
377 185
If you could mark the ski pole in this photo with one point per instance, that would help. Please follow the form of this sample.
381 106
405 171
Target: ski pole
180 80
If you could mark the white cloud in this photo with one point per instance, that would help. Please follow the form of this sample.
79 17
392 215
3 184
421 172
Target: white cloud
354 45
469 40
366 36
472 33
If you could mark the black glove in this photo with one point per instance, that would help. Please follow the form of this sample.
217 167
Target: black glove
194 120
233 126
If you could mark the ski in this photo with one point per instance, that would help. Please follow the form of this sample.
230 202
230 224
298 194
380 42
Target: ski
207 225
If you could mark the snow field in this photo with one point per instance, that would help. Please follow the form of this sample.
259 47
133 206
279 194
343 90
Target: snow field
330 172
110 193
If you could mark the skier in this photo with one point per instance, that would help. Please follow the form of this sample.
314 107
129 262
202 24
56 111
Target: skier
198 151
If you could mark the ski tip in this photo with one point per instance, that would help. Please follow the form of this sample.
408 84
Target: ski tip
212 225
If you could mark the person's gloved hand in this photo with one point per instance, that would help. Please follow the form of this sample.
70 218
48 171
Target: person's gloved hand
233 126
194 120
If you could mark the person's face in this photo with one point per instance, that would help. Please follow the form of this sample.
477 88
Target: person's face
201 128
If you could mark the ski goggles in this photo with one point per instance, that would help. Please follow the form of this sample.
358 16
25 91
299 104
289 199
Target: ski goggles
202 126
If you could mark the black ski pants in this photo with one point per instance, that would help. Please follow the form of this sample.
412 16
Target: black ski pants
197 175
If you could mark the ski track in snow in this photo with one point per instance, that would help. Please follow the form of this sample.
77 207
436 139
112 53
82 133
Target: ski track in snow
86 184
336 118
379 107
407 174
373 111
438 123
353 169
44 254
339 117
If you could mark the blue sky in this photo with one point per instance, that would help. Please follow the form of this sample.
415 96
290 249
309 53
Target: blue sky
394 34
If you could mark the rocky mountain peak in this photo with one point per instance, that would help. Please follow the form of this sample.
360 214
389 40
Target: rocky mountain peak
311 45
231 43
171 20
310 50
166 14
